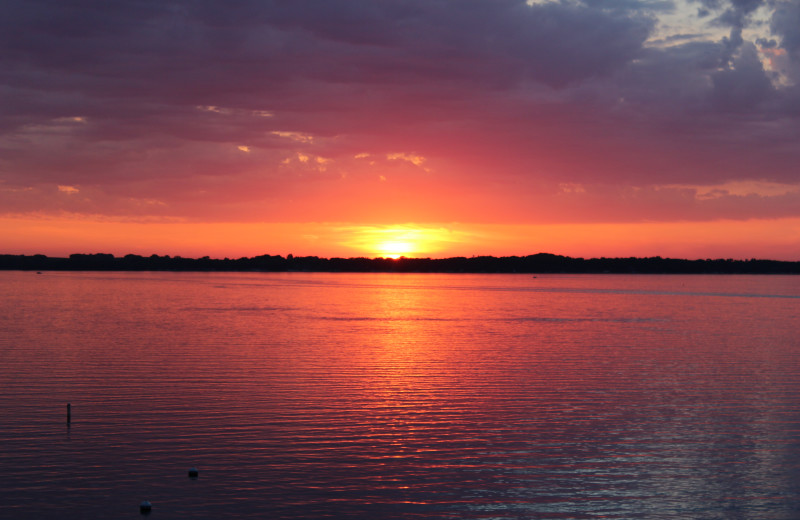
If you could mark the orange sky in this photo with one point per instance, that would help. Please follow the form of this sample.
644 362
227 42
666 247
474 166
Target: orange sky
417 128
719 239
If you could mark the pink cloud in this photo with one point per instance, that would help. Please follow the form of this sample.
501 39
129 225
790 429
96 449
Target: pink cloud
147 108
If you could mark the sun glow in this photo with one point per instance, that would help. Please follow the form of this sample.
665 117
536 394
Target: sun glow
397 241
765 238
394 249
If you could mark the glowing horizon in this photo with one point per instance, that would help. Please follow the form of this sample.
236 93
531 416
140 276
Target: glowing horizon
668 129
719 239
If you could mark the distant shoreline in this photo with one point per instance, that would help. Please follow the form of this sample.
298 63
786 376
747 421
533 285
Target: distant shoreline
532 264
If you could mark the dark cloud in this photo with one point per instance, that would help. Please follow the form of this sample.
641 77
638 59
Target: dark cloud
270 43
744 86
734 14
764 43
132 65
786 24
133 60
146 103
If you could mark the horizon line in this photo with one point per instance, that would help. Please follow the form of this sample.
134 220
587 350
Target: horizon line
398 257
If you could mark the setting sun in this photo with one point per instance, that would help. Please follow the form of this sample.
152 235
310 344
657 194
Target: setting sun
394 249
306 148
397 241
432 259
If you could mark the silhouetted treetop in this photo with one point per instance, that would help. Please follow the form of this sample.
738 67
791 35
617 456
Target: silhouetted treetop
537 263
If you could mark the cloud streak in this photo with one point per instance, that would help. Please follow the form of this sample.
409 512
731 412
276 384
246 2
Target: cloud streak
423 110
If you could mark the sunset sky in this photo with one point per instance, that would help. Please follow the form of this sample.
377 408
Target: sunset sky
401 127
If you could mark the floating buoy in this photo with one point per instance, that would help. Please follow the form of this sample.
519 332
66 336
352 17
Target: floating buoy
145 507
193 473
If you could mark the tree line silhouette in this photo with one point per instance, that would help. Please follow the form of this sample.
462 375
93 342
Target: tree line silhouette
538 263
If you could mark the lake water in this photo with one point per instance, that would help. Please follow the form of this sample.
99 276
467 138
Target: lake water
383 396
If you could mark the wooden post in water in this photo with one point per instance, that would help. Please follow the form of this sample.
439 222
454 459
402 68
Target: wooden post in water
69 413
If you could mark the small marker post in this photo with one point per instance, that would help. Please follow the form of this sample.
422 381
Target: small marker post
69 414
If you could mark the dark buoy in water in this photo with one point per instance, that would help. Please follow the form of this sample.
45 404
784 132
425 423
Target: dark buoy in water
145 507
193 473
69 414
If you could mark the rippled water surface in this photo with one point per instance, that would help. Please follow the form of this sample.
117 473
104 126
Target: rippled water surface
399 396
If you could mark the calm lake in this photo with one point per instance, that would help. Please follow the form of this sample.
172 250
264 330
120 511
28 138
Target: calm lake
380 396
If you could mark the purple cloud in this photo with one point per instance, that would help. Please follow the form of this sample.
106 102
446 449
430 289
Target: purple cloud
144 107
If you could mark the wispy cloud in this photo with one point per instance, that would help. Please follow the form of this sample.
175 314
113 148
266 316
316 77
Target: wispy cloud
350 110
